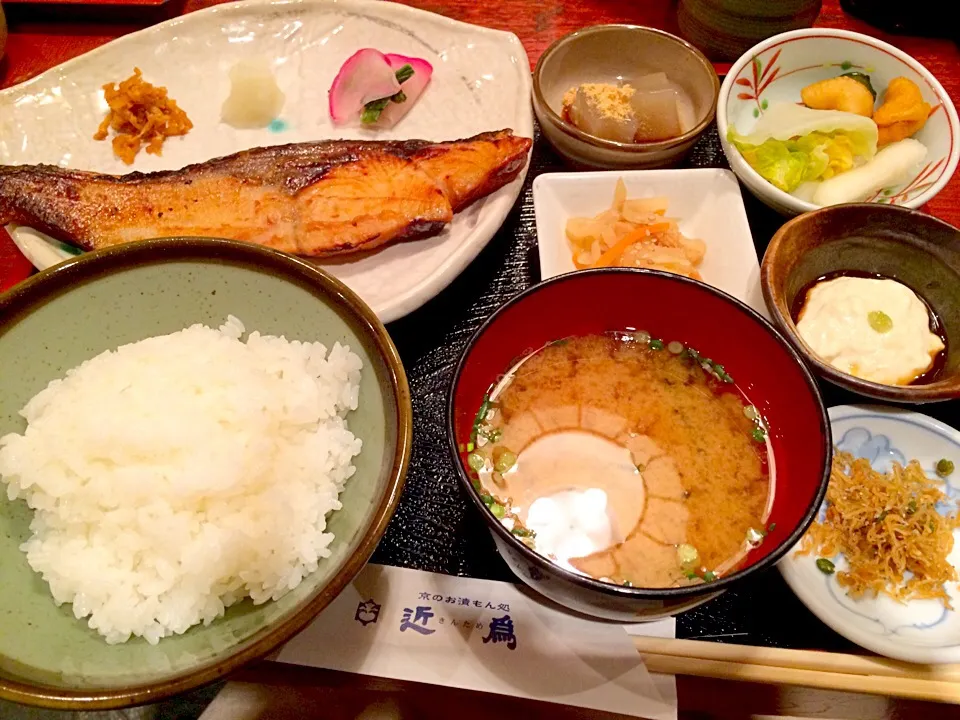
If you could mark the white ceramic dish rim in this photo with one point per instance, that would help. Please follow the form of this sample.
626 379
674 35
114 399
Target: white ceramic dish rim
827 612
754 179
547 243
460 258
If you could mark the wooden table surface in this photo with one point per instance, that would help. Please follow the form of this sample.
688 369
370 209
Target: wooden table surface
35 46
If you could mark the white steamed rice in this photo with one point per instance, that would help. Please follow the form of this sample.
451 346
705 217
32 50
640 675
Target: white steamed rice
174 476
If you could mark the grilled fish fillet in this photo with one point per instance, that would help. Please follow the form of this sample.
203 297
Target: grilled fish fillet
314 199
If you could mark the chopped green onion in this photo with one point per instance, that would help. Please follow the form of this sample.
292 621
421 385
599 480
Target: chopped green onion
373 109
523 532
470 447
709 576
772 527
642 336
691 575
751 413
880 321
944 467
627 583
674 347
405 73
826 566
506 461
498 510
759 434
687 555
476 485
475 461
487 499
656 344
911 507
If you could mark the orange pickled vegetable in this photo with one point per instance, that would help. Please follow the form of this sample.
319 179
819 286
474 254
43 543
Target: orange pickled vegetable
633 233
139 114
839 93
610 257
903 113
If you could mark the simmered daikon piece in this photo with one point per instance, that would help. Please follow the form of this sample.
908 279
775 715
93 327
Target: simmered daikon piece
604 110
657 114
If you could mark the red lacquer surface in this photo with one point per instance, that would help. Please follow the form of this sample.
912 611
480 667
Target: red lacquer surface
764 368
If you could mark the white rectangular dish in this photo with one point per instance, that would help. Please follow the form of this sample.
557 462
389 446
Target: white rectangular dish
706 203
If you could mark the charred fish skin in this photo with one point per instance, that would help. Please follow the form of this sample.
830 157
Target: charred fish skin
315 199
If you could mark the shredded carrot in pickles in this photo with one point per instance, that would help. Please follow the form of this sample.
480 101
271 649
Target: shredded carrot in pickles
886 526
634 233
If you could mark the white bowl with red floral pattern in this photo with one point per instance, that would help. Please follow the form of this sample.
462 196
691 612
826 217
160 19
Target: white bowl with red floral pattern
776 70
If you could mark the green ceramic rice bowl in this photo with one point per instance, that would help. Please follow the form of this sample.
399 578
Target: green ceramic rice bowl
76 310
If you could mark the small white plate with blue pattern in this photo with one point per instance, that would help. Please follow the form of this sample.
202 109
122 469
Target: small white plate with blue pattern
920 631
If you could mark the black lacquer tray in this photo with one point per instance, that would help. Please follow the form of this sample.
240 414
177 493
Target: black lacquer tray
436 530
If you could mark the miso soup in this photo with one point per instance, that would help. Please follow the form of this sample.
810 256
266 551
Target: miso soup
625 458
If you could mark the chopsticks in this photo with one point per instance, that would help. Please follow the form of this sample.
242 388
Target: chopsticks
809 668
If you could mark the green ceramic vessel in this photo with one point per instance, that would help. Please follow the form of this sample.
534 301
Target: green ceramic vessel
84 306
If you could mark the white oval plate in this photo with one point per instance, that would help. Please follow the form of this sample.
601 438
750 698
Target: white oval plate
481 82
920 631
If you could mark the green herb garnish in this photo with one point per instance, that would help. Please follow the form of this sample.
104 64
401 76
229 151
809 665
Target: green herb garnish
405 73
492 434
481 415
373 109
498 510
709 576
911 507
759 434
863 79
506 461
627 583
523 532
656 344
687 555
826 566
944 467
475 461
880 321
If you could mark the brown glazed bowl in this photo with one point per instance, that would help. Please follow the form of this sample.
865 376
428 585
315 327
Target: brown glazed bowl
607 53
81 307
911 247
